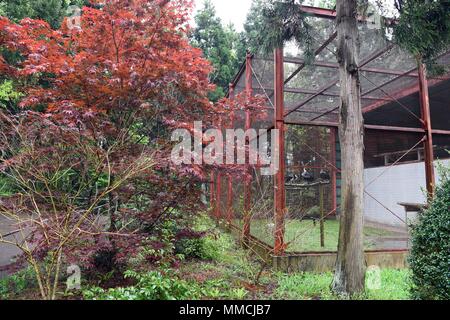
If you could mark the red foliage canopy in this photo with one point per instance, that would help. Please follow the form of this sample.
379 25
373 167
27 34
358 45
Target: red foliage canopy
128 56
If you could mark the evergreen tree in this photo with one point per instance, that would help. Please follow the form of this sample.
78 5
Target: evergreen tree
218 43
52 11
423 28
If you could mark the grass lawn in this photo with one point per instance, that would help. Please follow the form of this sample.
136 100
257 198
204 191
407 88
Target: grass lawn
233 276
394 286
304 236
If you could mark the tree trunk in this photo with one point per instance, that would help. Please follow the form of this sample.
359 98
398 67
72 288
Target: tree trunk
350 268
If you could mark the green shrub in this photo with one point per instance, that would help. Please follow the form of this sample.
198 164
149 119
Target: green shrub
430 254
17 283
150 286
204 241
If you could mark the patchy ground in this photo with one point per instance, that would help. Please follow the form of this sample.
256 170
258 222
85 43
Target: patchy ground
229 272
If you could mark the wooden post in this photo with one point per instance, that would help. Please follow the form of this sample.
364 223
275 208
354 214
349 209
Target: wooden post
247 182
279 181
426 118
322 216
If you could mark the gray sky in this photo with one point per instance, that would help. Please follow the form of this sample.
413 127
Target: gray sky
234 11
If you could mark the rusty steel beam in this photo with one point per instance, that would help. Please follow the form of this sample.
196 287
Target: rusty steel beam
333 173
392 128
366 61
303 64
426 117
401 93
325 113
319 12
406 129
316 94
325 94
331 14
219 196
332 65
387 82
369 127
318 51
404 92
230 213
441 132
211 191
279 181
313 124
247 183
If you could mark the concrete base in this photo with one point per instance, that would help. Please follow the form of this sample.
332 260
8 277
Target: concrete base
317 262
325 262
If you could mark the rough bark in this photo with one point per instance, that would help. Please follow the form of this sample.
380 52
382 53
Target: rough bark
350 267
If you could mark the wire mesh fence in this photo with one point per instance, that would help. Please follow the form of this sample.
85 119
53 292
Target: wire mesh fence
394 143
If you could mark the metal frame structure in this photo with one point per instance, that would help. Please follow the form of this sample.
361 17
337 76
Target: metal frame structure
280 115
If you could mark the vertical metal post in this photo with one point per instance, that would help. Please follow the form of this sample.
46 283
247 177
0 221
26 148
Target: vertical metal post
247 183
230 214
218 210
426 118
322 216
219 196
333 172
279 183
211 191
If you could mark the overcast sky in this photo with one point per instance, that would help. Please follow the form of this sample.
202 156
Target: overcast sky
234 11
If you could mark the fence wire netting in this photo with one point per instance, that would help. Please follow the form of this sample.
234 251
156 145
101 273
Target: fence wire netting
394 174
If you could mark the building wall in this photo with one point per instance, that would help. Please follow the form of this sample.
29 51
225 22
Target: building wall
401 183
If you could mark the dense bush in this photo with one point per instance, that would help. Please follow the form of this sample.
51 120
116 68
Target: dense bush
430 254
150 286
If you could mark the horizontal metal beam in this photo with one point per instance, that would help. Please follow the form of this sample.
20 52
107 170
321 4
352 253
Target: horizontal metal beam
318 51
365 62
332 65
331 14
403 93
393 128
314 124
319 12
369 127
308 91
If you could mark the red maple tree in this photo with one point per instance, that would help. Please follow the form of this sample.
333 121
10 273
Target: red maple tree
93 139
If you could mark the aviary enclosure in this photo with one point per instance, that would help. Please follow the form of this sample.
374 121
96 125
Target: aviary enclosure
407 128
